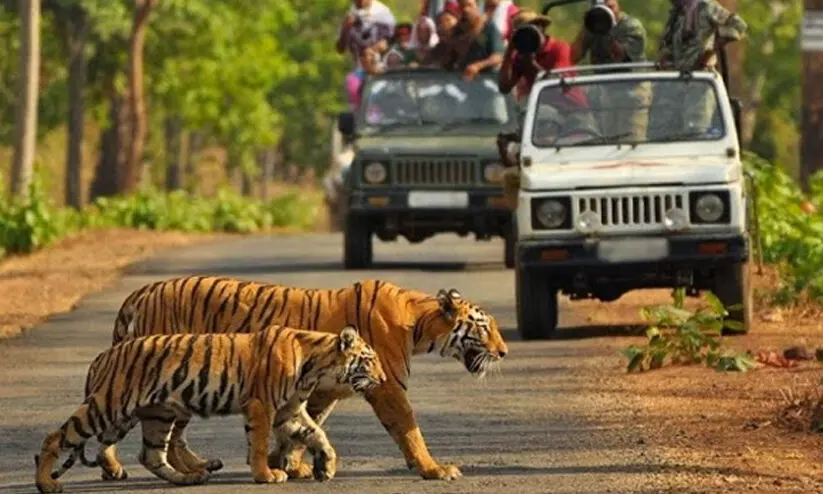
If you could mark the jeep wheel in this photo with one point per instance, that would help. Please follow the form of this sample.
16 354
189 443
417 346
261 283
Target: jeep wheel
509 250
357 243
732 287
536 305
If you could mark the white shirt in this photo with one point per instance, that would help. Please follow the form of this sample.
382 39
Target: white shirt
378 24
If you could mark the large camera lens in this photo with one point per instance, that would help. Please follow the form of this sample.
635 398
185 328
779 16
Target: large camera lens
599 19
527 39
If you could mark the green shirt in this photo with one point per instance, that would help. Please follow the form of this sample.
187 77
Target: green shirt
487 43
686 47
628 32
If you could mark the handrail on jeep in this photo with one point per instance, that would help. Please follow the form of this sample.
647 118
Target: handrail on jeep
650 66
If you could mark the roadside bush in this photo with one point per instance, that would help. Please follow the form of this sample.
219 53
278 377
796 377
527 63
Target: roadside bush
791 233
682 337
26 227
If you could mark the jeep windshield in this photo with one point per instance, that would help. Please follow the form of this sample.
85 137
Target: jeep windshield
632 111
431 103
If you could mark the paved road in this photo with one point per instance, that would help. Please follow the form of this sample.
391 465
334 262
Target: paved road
540 425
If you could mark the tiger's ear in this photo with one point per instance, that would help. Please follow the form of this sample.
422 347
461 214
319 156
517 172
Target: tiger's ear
348 337
448 302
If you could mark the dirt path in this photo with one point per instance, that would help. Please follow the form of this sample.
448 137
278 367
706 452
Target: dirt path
561 417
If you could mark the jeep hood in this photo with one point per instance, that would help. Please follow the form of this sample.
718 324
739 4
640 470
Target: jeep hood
631 173
423 145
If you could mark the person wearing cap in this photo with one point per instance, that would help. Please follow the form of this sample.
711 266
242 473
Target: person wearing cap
624 43
692 36
520 70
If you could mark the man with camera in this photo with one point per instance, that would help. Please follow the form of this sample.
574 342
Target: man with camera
695 31
610 35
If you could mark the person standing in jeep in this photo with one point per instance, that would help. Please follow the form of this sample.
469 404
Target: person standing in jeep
695 31
624 43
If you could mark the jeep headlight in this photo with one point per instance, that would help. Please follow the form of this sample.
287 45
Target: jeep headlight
709 206
375 173
550 213
492 172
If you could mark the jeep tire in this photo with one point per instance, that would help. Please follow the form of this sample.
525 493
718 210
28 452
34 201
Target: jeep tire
732 286
357 243
536 305
510 240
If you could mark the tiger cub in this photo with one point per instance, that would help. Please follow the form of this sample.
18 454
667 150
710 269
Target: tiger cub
266 376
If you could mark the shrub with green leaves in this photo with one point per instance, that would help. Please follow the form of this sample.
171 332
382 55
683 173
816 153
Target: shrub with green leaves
25 227
791 237
682 337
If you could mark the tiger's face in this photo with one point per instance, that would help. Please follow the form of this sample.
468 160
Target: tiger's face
475 338
361 368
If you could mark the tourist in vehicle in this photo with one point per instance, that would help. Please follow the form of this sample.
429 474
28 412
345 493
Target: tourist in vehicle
442 55
520 70
368 24
424 38
626 42
501 12
402 42
694 32
477 44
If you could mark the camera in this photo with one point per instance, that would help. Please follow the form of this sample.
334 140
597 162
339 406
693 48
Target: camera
599 19
528 38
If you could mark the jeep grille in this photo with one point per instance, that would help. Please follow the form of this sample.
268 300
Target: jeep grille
435 171
632 209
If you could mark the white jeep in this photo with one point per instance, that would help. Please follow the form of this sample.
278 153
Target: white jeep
606 206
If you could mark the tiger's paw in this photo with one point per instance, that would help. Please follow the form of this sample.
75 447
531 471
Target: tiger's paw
325 467
270 476
114 474
301 471
442 472
49 486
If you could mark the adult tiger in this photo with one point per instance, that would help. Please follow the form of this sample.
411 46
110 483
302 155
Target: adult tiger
267 376
397 322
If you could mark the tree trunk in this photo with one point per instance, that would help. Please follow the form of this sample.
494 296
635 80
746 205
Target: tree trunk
195 144
267 159
111 163
26 118
76 36
174 154
136 103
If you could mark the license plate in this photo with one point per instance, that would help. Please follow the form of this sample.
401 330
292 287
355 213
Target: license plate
438 199
633 249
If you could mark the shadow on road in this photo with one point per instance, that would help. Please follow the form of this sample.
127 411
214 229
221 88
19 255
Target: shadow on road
584 332
287 266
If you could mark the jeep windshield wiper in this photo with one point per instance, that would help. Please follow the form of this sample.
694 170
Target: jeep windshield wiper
603 139
468 121
680 137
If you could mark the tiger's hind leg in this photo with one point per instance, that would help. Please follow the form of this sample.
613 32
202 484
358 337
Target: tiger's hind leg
107 457
184 459
288 454
72 435
157 432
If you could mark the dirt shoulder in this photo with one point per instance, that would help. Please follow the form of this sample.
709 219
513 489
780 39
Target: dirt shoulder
696 419
53 280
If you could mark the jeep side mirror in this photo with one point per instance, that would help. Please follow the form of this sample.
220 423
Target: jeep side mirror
345 123
737 112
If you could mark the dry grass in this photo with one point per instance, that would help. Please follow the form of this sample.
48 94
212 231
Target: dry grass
52 280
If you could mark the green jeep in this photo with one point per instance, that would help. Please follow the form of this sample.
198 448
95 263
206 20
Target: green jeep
426 160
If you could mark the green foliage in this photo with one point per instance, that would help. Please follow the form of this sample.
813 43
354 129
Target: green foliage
27 227
791 238
682 337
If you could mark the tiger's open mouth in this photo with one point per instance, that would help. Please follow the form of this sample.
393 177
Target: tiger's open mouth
476 361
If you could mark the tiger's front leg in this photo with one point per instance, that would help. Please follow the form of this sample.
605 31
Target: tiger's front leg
302 428
288 454
259 419
391 404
